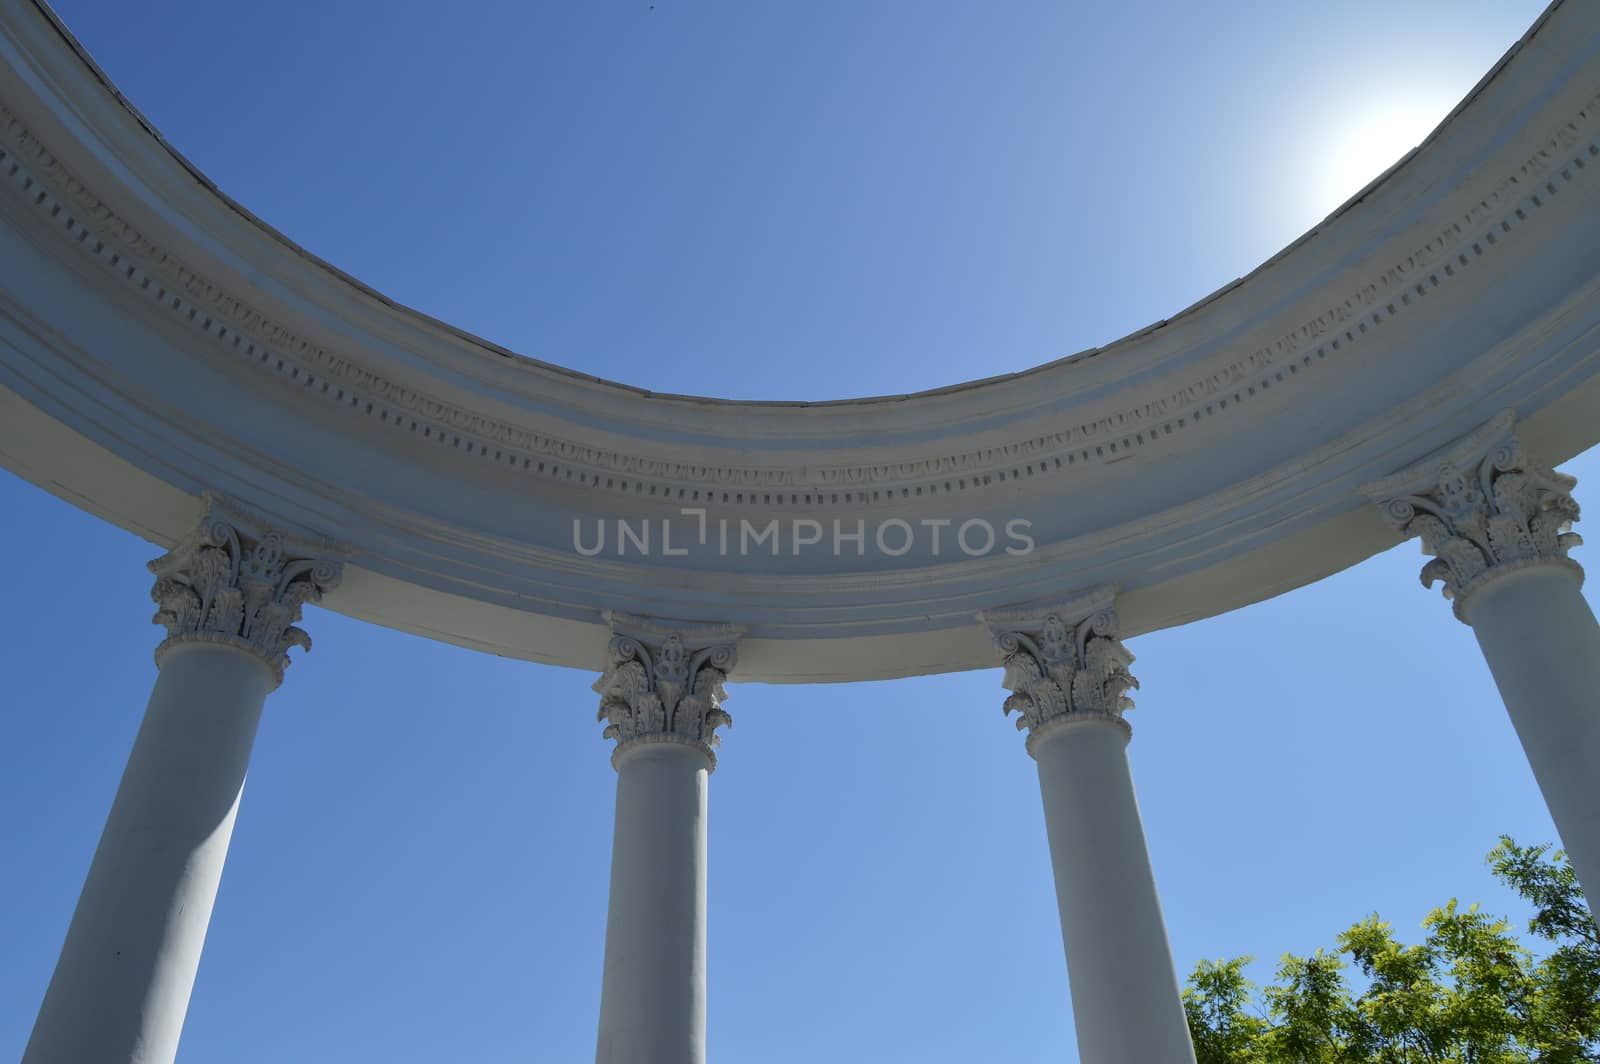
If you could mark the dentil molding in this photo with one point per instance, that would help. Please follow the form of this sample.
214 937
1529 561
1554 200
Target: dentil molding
157 339
243 331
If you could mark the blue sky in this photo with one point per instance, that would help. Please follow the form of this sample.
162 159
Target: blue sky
785 201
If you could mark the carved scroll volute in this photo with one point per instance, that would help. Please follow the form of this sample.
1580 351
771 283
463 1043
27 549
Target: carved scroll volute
236 582
1063 664
665 684
1484 508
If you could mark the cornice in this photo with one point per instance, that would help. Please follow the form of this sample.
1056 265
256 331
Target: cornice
158 340
256 340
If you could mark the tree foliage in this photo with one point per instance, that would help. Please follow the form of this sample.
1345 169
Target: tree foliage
1469 993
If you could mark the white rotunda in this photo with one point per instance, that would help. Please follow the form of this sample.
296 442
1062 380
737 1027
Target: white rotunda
1412 368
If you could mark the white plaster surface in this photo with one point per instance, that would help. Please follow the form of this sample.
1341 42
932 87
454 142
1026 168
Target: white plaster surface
1125 998
1542 644
653 996
1212 459
158 341
121 986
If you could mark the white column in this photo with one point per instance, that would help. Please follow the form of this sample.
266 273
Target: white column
1543 647
228 597
1068 673
653 995
661 696
1496 522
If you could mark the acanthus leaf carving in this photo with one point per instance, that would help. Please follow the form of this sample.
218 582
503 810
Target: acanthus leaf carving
1063 664
663 684
1482 509
237 582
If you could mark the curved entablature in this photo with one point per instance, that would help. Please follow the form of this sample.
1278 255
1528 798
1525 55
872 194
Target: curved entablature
160 342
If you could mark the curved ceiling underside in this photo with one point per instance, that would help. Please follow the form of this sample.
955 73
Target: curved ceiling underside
157 341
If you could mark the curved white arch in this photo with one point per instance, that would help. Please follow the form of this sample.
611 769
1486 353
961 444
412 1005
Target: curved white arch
157 341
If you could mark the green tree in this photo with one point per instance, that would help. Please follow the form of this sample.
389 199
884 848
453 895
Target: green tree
1470 993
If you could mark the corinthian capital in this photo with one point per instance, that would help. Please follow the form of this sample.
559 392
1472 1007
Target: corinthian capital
236 582
663 683
1063 663
1482 508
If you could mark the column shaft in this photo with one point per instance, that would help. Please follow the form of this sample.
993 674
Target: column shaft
1125 998
653 997
1542 644
121 986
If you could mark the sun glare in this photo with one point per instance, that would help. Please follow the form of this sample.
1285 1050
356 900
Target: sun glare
1370 141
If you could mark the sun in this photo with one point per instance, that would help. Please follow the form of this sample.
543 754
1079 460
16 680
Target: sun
1370 139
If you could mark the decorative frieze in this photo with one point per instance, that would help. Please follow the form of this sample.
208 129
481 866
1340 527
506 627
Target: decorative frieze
663 683
1482 508
30 168
236 582
1063 663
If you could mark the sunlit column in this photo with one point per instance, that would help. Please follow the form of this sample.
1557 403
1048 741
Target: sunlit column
229 596
1068 674
661 696
1496 522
